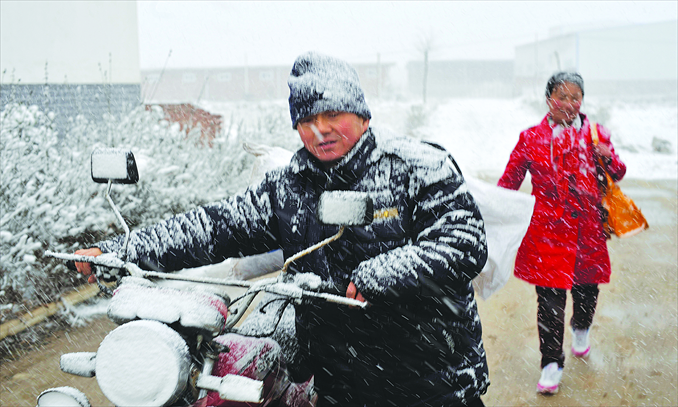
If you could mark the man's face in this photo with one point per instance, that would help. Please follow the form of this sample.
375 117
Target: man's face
329 136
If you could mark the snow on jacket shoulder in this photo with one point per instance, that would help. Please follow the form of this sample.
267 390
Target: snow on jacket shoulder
446 239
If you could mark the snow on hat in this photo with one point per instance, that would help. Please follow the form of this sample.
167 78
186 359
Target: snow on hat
561 77
319 83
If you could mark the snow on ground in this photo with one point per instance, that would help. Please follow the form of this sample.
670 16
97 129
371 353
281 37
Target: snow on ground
481 133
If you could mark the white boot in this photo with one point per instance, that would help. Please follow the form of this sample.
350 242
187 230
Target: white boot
550 379
580 343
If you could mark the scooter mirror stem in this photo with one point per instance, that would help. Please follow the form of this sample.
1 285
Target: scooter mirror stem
120 218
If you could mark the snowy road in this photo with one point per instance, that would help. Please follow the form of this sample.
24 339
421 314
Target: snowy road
634 336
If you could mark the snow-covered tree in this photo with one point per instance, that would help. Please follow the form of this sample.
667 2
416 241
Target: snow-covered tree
48 200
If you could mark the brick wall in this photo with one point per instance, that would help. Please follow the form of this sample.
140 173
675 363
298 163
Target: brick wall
190 117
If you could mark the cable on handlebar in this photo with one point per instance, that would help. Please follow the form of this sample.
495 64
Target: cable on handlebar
107 291
263 307
312 248
278 317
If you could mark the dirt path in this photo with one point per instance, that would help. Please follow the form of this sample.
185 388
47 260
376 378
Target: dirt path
24 379
634 357
634 360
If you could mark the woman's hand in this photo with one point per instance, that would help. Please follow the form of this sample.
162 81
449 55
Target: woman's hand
602 150
352 292
86 268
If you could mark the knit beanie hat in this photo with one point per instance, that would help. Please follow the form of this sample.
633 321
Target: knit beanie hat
319 83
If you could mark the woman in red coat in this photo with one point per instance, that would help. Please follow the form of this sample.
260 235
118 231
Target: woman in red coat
565 246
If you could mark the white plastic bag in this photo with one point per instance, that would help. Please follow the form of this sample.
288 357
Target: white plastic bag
267 159
507 215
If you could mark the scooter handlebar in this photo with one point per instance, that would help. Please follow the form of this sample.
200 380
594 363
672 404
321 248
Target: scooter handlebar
106 259
289 290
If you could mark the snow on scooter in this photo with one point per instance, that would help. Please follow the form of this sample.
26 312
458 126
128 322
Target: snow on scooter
181 347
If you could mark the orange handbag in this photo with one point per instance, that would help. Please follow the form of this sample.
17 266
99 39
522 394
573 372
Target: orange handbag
623 218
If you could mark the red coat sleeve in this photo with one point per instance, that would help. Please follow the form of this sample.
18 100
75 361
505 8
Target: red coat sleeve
615 167
517 167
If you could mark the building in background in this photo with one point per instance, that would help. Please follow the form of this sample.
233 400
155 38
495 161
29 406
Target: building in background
218 84
461 79
624 61
242 83
82 58
71 58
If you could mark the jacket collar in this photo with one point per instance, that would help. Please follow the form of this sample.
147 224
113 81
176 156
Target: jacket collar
576 123
342 175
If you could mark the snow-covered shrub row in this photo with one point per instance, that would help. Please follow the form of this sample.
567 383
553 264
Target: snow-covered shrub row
48 200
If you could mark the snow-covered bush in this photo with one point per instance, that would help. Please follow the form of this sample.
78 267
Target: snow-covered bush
36 185
48 200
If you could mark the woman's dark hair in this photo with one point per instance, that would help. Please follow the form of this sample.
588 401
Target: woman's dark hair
562 77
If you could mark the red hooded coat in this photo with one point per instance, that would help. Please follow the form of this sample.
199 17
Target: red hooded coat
565 242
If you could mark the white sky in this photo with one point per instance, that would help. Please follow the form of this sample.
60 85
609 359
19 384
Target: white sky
230 33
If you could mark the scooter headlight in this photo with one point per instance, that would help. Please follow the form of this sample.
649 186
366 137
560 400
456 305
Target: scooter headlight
62 397
142 363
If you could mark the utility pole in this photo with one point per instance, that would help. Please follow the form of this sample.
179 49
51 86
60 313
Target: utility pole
425 45
247 79
536 62
425 73
378 75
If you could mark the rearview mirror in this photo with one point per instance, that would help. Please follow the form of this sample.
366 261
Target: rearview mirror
115 165
345 208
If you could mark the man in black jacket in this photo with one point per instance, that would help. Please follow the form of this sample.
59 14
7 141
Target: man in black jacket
419 343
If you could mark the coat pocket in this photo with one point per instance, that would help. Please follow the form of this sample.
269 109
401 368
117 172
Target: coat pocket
381 231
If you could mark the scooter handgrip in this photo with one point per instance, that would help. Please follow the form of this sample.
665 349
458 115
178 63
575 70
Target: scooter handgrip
70 264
